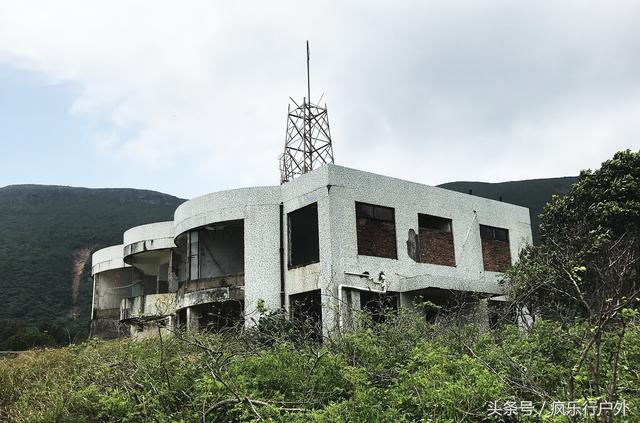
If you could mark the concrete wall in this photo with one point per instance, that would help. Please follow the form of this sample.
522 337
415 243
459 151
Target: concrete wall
408 199
107 258
259 209
112 286
109 270
145 306
148 248
336 189
153 236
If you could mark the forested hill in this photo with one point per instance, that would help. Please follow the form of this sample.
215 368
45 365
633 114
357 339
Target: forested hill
47 236
532 193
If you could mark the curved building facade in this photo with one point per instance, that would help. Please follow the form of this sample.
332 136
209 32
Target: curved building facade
330 242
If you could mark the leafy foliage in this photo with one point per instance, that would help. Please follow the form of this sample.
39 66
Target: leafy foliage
588 261
437 373
585 273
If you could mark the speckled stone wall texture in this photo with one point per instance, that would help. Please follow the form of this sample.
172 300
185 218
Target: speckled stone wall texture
496 256
436 247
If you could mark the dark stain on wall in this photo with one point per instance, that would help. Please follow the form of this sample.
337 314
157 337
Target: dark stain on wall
413 245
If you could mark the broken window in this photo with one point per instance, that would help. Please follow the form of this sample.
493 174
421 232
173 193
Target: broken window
219 316
496 255
181 318
221 249
304 245
379 305
376 230
306 312
436 240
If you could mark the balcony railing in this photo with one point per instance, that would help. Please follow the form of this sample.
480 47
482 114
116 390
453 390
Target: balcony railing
147 307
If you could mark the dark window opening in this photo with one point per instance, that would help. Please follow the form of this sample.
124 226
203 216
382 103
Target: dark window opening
496 254
163 287
436 240
501 313
304 244
219 316
376 231
306 313
379 305
489 232
221 249
443 305
182 318
428 221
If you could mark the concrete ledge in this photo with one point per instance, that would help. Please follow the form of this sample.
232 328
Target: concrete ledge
108 258
222 206
147 307
213 295
234 280
154 236
106 313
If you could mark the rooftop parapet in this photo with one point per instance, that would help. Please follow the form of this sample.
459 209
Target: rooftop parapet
222 206
153 236
108 258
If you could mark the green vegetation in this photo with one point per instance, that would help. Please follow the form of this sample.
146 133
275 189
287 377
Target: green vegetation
534 194
42 228
577 341
587 267
400 371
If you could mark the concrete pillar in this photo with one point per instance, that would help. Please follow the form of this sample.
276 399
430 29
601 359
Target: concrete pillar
173 277
479 314
193 319
261 258
330 309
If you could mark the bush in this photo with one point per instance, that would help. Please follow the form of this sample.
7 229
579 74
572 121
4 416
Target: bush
402 370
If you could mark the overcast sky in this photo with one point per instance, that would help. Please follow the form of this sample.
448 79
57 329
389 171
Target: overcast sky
191 97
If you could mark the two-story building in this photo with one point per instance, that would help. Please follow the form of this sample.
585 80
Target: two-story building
324 244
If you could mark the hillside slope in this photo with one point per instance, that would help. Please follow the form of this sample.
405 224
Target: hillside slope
48 234
532 193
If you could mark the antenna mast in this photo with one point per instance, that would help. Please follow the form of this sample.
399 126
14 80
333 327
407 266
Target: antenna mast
308 138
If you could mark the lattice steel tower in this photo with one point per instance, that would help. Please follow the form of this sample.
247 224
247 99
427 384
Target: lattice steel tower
307 143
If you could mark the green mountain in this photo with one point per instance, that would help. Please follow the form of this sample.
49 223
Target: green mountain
532 193
48 234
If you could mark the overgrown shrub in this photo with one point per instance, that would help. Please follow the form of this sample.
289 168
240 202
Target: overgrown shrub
402 370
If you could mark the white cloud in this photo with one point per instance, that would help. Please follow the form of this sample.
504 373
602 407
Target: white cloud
194 93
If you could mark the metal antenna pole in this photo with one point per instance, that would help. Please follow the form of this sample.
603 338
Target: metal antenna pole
308 138
308 77
308 147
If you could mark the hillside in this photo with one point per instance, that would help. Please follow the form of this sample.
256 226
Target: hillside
48 234
532 193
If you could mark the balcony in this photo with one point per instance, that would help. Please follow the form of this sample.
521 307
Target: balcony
106 313
147 307
210 290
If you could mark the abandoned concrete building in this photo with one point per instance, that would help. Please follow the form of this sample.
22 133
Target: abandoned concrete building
327 243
